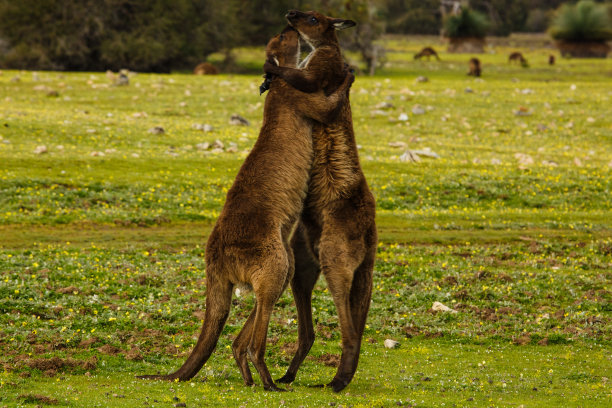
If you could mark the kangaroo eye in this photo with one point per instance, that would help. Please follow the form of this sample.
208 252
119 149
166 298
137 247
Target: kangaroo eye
282 37
313 20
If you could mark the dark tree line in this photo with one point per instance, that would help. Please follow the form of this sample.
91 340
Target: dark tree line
160 35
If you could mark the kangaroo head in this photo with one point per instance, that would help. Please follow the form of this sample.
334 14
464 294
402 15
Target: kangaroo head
315 28
284 48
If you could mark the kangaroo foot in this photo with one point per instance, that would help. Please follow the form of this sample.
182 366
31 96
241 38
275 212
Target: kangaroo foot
338 384
273 387
286 379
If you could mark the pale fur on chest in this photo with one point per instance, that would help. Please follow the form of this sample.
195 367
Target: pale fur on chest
334 170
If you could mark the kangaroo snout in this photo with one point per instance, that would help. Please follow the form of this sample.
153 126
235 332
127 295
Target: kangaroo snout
293 15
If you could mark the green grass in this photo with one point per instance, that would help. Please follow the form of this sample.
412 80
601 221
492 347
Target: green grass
101 256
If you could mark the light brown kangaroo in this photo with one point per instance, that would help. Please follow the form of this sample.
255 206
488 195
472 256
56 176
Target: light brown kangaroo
250 243
337 231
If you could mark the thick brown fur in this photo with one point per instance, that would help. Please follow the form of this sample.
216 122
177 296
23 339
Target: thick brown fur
427 52
518 58
205 68
337 233
475 68
250 243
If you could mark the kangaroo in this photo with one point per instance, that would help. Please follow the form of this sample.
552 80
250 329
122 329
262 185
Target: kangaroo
337 231
475 69
518 57
426 52
250 242
551 59
205 68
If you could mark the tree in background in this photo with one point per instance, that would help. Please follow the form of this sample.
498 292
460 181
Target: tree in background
582 30
466 31
142 35
414 16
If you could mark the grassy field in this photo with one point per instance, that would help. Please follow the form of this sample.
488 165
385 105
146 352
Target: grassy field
103 225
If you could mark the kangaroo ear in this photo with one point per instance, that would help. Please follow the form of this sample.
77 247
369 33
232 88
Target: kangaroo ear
340 24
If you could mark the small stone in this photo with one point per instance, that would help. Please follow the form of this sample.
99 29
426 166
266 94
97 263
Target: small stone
385 105
522 111
378 112
495 161
157 130
409 156
217 144
418 110
403 117
439 307
96 154
427 152
421 79
238 120
203 146
41 149
397 144
468 90
390 344
524 160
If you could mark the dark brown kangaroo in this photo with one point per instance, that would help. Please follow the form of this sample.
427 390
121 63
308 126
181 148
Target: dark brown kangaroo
427 52
475 69
250 243
337 232
518 58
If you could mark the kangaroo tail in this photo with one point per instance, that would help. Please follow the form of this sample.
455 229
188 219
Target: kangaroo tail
218 302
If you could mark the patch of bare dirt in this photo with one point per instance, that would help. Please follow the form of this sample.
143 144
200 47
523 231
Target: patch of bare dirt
37 399
289 348
69 289
109 350
87 343
50 366
330 360
522 340
134 354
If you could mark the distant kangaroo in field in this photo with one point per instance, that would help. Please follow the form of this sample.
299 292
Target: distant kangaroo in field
205 68
518 58
551 59
475 69
250 243
426 52
337 233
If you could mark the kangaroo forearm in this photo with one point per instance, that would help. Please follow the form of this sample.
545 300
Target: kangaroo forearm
297 78
319 107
